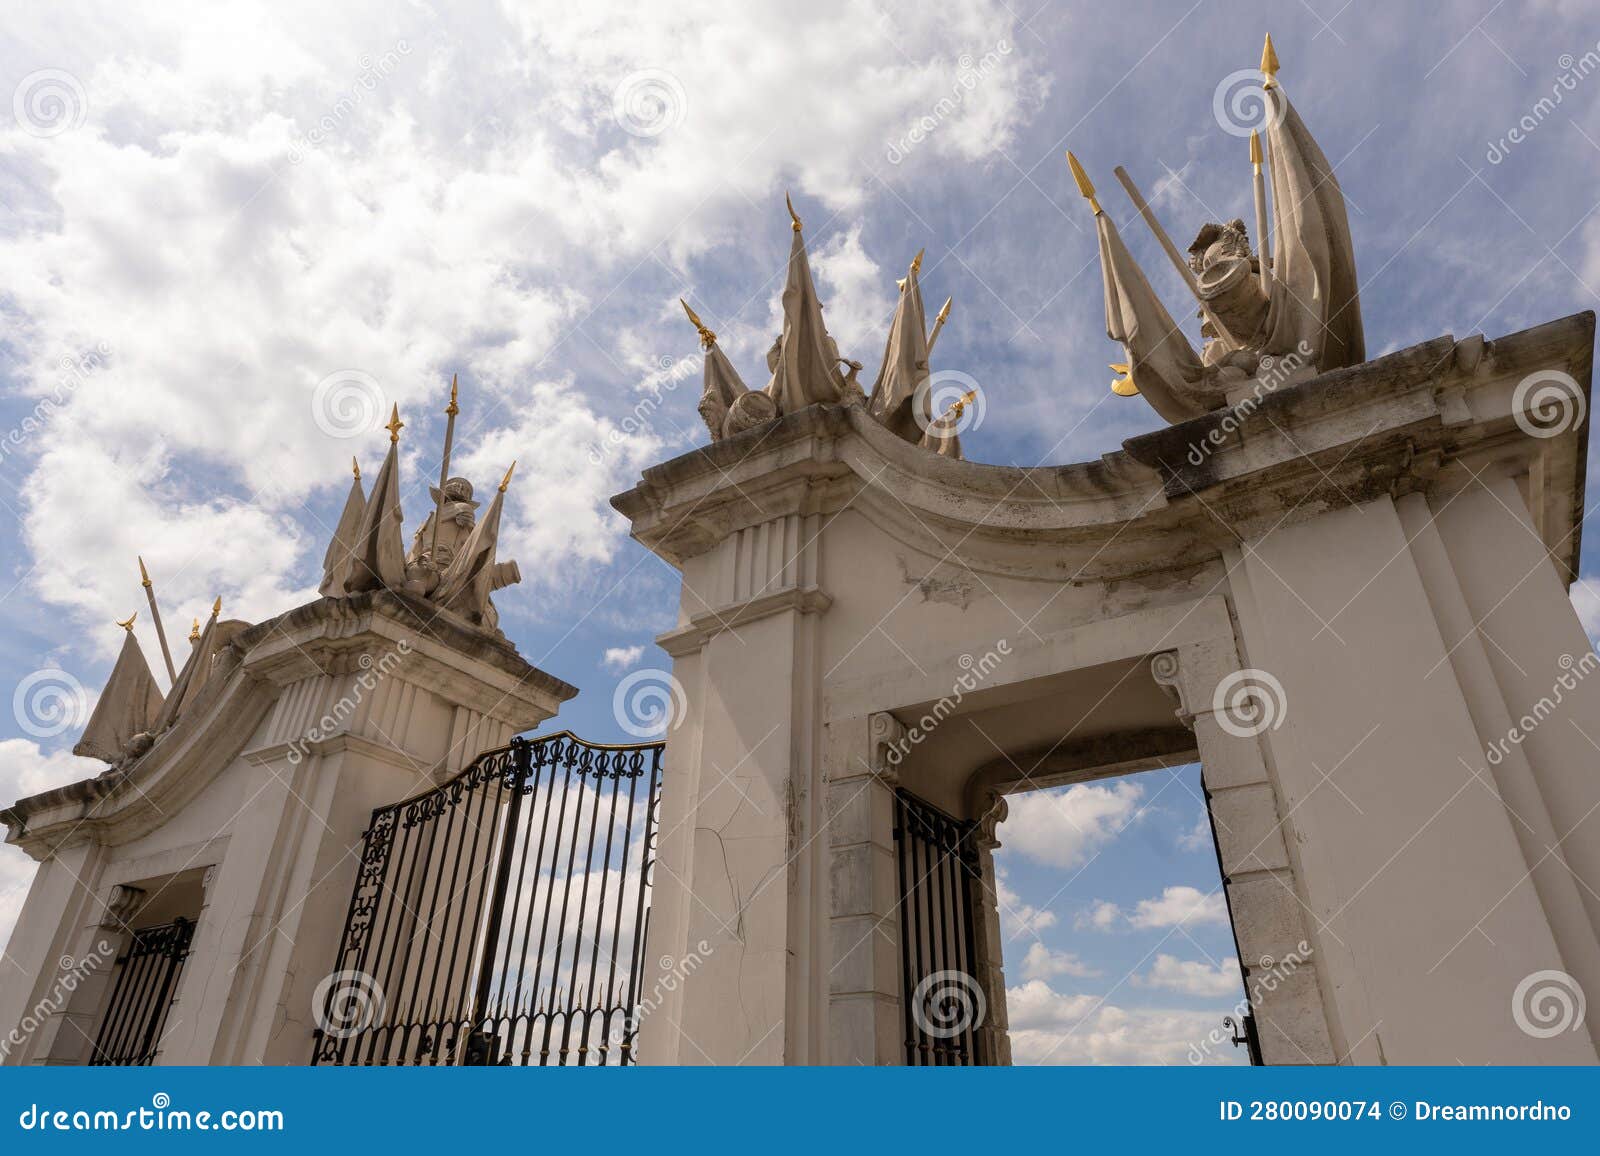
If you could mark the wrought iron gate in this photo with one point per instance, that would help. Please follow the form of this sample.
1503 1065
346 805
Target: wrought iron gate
942 994
500 917
147 982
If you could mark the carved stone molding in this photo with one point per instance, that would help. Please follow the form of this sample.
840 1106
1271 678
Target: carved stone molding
1165 669
885 733
994 813
121 906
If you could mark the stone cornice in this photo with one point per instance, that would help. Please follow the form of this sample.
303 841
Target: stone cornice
1170 500
707 625
327 637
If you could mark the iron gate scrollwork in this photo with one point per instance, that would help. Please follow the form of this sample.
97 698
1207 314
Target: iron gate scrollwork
500 918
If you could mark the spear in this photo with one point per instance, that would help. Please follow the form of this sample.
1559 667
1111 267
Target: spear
1261 213
444 470
155 615
938 322
1172 253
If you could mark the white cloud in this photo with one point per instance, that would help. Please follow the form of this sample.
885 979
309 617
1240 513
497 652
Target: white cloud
1101 914
1043 963
1585 594
253 203
1016 917
1180 905
1048 1027
620 658
1175 906
26 770
1192 976
1064 826
1198 837
858 298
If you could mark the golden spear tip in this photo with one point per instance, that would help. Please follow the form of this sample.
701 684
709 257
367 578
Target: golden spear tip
144 575
944 310
506 481
959 406
194 631
395 424
1085 186
127 623
452 409
1269 64
1255 148
916 262
216 607
793 216
355 468
707 338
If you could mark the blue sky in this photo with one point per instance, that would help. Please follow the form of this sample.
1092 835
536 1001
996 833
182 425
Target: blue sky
229 204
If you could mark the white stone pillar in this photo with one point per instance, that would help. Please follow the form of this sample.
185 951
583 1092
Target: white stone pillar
1421 905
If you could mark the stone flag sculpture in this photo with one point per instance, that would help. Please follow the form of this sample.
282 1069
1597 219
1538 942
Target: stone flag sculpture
1300 308
805 365
128 706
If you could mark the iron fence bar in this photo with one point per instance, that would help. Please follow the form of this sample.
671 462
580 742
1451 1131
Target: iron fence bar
481 1047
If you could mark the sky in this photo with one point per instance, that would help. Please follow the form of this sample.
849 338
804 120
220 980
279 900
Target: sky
234 234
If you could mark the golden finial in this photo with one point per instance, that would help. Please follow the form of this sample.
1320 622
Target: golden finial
216 607
1123 385
1085 186
1269 64
395 425
707 338
452 409
959 406
916 262
506 481
355 468
144 575
793 216
194 631
127 623
1255 149
944 311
